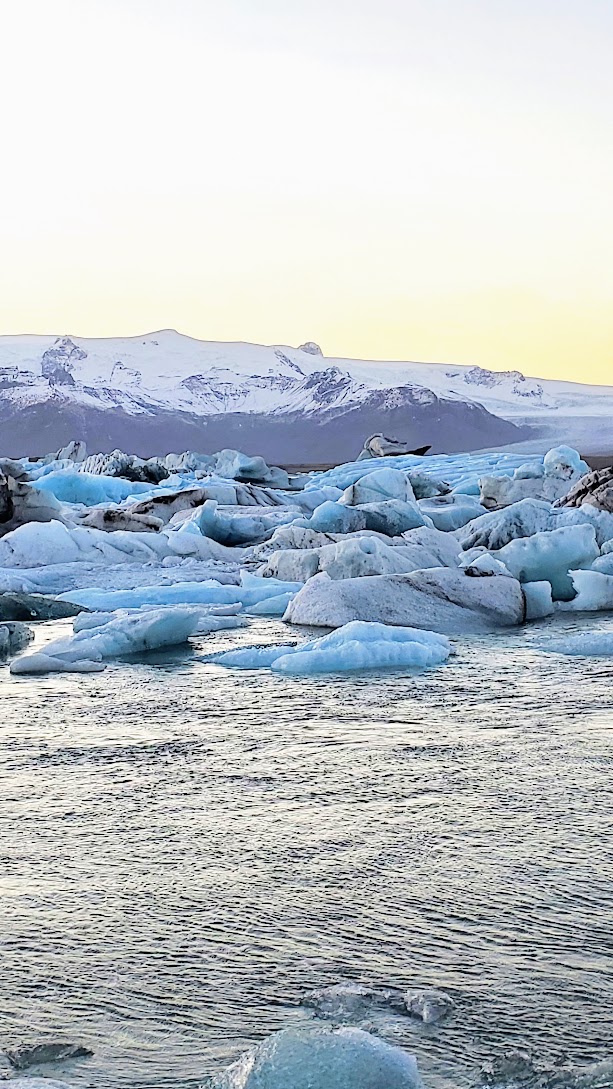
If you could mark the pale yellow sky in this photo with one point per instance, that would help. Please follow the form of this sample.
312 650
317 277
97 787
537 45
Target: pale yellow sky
401 179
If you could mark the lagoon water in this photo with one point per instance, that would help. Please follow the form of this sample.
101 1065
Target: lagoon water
187 851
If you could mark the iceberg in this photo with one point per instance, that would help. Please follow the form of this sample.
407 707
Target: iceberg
270 606
593 591
357 645
377 486
495 529
539 602
358 555
392 516
548 557
439 599
88 489
228 528
549 479
322 1058
210 592
450 512
347 1001
333 517
41 544
116 635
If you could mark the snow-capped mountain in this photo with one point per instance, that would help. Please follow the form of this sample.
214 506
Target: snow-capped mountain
167 391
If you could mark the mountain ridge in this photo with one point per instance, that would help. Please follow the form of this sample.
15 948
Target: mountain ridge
329 403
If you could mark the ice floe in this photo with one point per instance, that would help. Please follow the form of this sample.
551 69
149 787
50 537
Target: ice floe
113 636
355 646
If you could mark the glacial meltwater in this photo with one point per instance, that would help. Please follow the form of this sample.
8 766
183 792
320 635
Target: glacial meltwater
190 852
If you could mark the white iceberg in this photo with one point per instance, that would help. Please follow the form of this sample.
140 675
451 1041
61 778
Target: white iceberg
322 1058
210 592
548 557
357 645
115 636
450 512
593 591
89 489
495 529
548 479
438 599
377 486
539 601
234 528
40 544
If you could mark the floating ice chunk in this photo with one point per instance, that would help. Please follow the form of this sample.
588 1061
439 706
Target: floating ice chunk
429 1005
439 599
343 1001
392 516
485 564
252 657
550 556
251 590
24 1056
234 465
531 470
593 589
333 517
430 548
322 1058
523 519
89 489
210 619
539 601
361 645
426 486
46 663
450 512
585 644
271 606
23 606
495 529
356 646
377 486
116 636
234 529
348 558
565 462
550 479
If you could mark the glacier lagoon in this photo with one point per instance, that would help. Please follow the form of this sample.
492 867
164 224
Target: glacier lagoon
189 852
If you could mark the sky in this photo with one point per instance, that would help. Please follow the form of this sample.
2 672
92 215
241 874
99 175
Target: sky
394 179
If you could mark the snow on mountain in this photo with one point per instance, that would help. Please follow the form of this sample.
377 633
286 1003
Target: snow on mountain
164 387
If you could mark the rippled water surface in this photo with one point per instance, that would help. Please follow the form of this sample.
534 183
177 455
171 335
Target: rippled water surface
186 851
